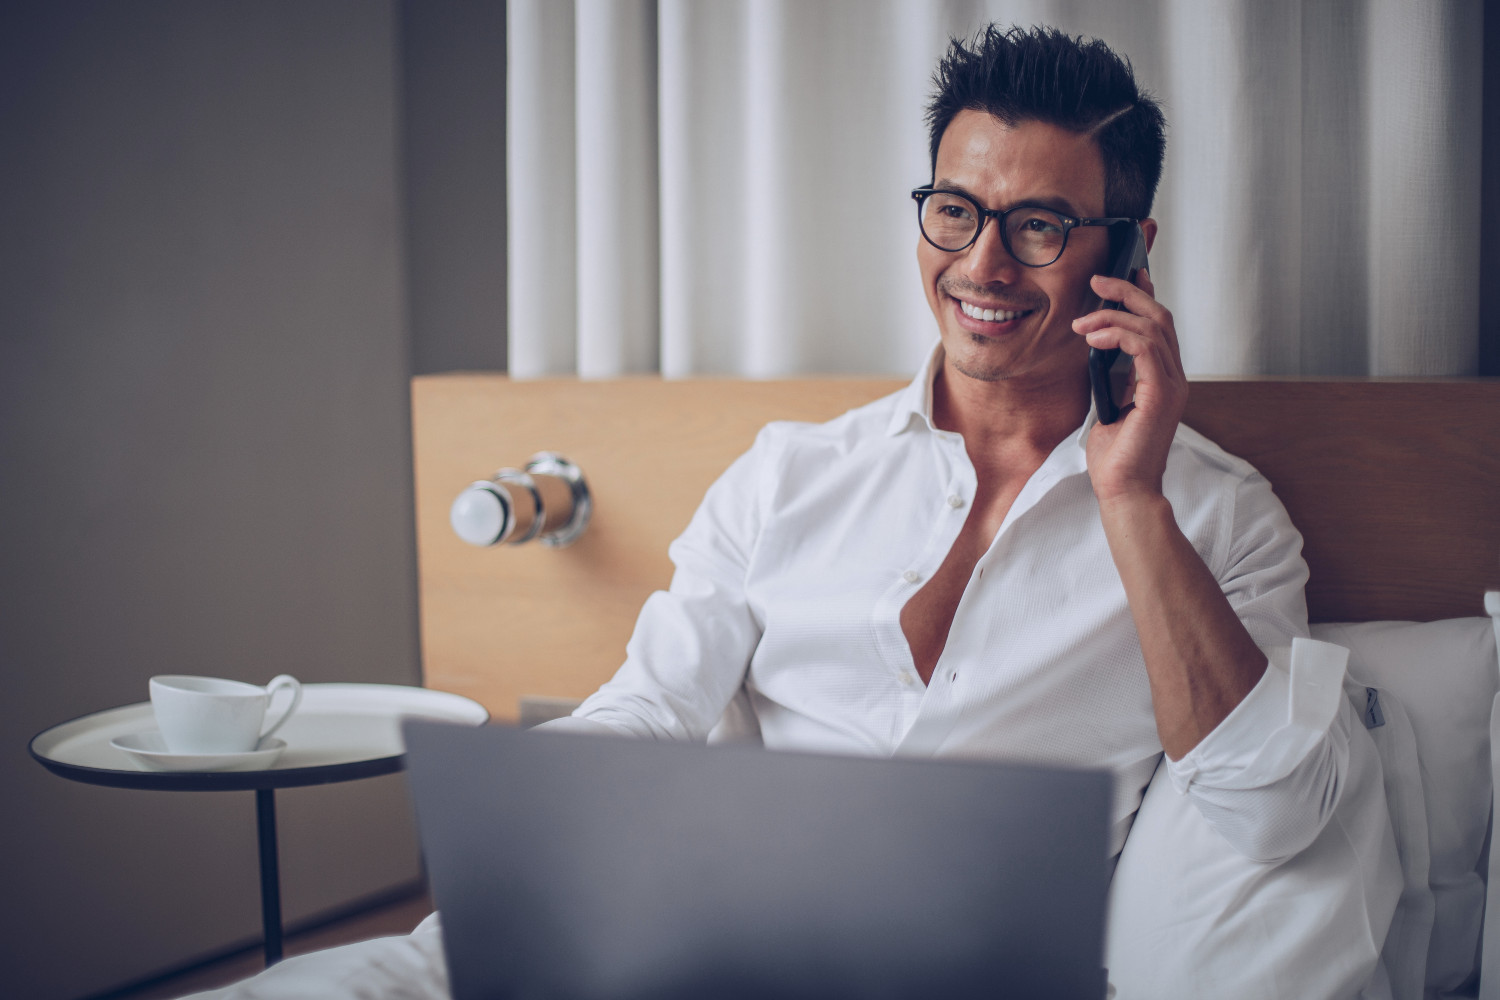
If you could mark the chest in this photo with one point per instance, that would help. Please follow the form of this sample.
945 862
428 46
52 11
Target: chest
1022 592
928 616
876 567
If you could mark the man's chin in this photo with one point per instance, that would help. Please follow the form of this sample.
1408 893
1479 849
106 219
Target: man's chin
974 365
985 360
983 373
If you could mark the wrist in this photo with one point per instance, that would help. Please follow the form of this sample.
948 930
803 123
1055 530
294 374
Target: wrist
1134 504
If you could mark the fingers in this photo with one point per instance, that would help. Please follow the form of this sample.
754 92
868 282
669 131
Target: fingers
1139 312
1154 359
1142 328
1133 295
1133 298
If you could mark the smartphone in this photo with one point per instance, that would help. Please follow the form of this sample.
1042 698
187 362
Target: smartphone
1109 370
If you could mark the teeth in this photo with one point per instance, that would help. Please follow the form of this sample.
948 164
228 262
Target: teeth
991 315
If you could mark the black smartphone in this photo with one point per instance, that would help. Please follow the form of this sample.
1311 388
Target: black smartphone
1109 370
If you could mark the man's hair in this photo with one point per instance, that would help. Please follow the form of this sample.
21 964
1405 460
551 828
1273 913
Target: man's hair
1077 84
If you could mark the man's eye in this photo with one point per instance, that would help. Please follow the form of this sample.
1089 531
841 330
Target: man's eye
1041 226
955 211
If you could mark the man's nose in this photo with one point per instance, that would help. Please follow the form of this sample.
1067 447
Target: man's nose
988 260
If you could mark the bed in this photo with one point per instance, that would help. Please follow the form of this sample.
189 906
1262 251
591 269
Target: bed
1393 483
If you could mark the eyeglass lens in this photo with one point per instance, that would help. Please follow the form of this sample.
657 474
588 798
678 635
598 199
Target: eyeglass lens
1034 236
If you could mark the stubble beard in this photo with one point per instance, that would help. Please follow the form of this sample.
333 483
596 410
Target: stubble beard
980 367
979 370
977 366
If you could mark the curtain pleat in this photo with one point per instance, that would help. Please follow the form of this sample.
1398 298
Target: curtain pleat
618 256
541 189
703 182
721 187
1423 154
1235 192
1334 233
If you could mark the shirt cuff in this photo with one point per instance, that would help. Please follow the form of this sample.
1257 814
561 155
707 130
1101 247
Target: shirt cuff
581 725
1277 724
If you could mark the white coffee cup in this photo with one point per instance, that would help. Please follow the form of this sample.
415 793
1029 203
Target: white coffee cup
208 715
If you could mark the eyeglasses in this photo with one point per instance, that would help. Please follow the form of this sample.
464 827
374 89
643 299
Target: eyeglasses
1033 236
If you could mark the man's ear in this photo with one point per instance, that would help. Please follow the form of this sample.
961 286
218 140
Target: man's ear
1148 226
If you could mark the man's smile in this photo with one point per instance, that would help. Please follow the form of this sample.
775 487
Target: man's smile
990 312
992 315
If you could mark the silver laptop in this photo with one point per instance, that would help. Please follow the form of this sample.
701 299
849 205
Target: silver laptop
569 866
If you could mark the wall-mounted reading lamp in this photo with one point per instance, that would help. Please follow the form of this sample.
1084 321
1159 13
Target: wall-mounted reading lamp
548 500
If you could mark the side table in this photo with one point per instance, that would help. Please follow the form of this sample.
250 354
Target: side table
340 732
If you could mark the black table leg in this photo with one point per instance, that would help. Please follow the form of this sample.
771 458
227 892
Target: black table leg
270 873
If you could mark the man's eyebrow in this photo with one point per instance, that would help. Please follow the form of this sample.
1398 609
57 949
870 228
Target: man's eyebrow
1055 203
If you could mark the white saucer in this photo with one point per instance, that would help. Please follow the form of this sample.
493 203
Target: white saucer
148 748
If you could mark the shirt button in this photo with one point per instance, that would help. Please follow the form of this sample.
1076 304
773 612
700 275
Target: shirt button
911 576
955 501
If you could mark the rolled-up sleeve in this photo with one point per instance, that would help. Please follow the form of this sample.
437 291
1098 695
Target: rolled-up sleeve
1270 774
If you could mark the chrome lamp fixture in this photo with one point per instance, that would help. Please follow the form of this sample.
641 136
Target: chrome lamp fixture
548 500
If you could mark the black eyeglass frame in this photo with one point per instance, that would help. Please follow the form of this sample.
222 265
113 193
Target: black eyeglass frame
1069 223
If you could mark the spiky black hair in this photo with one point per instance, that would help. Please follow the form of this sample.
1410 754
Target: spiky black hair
1077 84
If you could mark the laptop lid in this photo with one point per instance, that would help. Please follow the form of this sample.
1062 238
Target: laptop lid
575 866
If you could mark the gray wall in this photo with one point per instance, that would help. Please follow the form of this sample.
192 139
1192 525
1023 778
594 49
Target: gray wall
453 67
204 446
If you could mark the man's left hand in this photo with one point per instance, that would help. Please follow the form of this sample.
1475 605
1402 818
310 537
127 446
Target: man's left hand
1129 456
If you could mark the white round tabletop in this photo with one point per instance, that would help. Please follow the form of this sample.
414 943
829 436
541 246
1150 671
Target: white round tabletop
339 732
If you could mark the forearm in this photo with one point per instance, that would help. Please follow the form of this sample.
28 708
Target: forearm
1200 660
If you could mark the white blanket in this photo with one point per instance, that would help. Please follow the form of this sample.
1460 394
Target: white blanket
406 967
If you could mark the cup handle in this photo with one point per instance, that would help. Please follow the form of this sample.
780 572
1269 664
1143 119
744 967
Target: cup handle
277 683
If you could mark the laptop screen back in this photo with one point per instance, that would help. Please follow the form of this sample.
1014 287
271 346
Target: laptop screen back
576 866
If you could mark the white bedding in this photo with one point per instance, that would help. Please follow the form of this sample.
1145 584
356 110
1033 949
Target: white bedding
406 967
1190 916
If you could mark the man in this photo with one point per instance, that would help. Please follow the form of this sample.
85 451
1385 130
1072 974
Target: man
975 565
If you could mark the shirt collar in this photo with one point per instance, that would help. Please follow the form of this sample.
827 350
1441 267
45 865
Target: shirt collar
915 402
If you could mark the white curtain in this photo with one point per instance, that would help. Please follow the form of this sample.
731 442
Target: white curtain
720 186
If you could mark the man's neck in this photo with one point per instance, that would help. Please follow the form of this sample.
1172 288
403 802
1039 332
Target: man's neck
1008 421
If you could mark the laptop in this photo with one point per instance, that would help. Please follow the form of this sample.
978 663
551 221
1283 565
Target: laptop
573 866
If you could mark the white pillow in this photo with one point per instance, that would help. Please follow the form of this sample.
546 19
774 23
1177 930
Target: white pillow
1489 967
1191 917
1489 981
1445 675
1405 950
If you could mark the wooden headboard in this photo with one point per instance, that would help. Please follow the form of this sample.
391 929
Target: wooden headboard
1395 485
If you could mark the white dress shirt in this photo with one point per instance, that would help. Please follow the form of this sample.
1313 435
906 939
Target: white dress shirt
791 578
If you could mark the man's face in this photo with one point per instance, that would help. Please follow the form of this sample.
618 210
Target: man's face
1031 336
